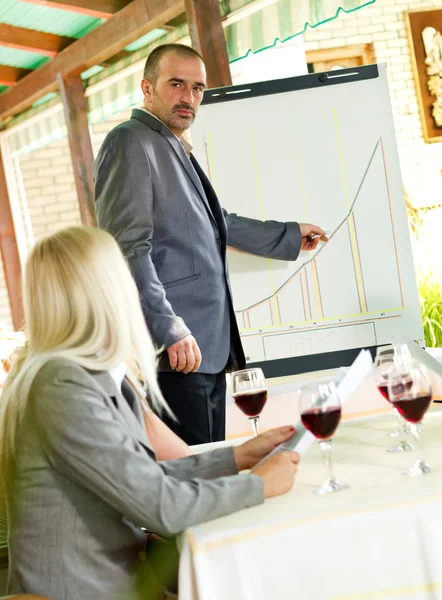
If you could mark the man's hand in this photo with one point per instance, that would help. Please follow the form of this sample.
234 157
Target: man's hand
251 452
309 242
185 355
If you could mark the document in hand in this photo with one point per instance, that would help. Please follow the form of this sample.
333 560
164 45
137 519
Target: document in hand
359 370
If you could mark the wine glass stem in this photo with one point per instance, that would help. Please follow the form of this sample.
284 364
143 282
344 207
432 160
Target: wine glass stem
401 425
326 446
254 423
416 429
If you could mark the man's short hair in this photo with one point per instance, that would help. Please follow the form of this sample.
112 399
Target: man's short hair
151 67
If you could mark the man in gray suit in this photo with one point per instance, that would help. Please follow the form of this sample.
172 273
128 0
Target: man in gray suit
154 198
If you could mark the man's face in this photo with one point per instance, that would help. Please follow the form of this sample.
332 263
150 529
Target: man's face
178 91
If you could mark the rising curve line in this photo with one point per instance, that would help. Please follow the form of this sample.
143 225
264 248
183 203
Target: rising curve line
304 284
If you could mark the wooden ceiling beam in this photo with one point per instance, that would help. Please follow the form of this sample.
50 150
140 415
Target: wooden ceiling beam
128 25
75 112
113 59
31 40
176 22
10 75
101 9
207 35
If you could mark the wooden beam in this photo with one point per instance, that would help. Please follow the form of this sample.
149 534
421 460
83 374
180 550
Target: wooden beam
177 21
207 35
9 252
31 40
113 59
75 113
10 75
101 9
135 20
362 51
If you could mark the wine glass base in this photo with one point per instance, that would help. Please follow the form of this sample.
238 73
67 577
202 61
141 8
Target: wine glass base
401 447
330 486
394 433
420 468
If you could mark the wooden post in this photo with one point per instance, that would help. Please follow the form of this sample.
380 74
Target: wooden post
9 252
207 35
75 112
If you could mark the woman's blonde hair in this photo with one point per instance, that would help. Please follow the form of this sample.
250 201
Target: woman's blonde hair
80 303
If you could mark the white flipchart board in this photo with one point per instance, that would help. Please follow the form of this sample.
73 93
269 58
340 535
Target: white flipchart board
319 148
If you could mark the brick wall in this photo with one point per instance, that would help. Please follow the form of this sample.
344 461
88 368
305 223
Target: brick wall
383 25
49 187
47 181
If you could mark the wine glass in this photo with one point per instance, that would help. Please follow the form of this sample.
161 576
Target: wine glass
400 353
409 390
250 394
320 409
383 364
384 350
403 357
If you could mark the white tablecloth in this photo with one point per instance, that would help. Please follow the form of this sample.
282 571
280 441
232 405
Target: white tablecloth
380 539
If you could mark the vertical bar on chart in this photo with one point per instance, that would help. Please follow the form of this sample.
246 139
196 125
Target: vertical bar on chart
357 263
210 161
305 296
274 308
392 224
317 290
300 172
351 227
261 200
206 151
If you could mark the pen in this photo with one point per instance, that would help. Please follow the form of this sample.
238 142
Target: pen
318 235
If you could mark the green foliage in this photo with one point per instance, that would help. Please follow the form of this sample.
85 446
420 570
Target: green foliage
431 309
427 251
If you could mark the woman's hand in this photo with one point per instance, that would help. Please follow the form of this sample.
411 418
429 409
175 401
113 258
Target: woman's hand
278 473
251 452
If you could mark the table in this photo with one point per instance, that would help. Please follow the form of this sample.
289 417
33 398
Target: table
380 539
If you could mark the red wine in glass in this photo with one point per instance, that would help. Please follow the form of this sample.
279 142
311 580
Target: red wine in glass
413 409
410 393
320 410
384 391
250 394
251 402
322 422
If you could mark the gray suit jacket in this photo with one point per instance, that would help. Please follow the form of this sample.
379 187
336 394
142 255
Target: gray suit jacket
86 481
159 205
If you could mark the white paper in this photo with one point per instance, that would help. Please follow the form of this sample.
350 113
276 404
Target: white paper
303 438
419 354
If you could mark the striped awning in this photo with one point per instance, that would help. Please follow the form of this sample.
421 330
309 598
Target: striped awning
255 26
38 131
250 26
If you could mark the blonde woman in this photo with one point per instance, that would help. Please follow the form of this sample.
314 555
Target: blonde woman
81 477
